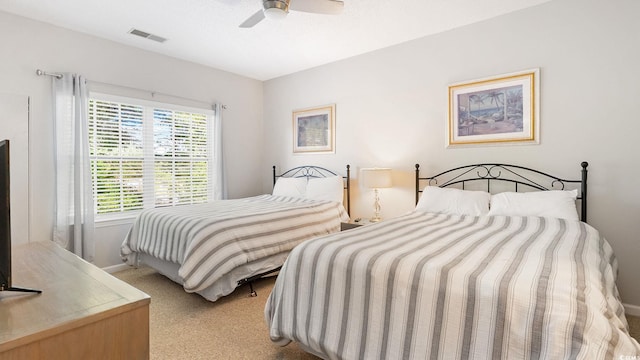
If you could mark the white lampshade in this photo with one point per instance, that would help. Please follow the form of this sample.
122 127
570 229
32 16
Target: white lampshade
376 178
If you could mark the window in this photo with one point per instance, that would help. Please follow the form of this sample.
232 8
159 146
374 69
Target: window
146 154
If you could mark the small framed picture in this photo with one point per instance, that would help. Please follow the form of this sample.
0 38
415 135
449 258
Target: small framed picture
502 109
314 130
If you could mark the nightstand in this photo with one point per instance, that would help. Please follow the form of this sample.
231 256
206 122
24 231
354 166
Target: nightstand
353 224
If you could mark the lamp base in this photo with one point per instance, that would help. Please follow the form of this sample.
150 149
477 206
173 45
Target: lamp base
376 208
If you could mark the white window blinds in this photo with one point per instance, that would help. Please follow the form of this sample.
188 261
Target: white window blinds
146 155
181 157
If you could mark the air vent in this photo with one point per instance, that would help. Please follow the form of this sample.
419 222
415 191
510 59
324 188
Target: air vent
146 35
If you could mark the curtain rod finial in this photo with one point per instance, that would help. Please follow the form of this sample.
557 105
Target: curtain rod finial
41 73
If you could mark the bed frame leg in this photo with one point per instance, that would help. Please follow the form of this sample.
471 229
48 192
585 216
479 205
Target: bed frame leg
250 280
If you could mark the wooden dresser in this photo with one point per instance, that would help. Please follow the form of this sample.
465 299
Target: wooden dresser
82 313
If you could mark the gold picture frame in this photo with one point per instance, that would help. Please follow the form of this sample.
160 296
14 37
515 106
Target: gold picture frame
497 110
314 130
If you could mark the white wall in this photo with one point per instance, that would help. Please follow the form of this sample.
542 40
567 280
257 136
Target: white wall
27 45
392 110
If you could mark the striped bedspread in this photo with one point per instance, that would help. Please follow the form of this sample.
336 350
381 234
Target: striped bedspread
209 240
431 286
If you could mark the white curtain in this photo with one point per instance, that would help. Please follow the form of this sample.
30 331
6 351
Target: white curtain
220 179
74 216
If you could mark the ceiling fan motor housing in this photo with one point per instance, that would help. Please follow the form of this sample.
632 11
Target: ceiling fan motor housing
277 5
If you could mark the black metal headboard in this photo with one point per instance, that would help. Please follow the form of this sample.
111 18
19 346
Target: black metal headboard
310 171
517 175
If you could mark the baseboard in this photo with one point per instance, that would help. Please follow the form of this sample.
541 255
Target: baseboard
631 309
116 268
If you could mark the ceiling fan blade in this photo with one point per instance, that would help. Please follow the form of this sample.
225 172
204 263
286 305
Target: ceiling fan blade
253 19
330 7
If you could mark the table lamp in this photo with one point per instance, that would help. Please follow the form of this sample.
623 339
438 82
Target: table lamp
376 178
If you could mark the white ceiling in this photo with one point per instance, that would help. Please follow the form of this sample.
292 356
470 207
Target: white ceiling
207 32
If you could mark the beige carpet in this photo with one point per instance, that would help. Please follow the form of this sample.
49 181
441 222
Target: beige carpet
186 326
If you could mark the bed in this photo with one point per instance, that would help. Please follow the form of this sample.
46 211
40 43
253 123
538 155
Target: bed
213 248
485 267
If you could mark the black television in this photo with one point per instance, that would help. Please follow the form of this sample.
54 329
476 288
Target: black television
5 222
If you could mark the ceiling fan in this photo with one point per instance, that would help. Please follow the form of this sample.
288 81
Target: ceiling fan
278 9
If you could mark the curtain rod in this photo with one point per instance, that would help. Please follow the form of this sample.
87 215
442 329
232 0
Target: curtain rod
153 93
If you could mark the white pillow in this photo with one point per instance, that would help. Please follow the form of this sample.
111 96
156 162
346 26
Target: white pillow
453 201
329 188
290 186
555 203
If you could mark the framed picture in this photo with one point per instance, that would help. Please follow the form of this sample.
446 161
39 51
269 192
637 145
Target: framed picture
502 109
314 130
